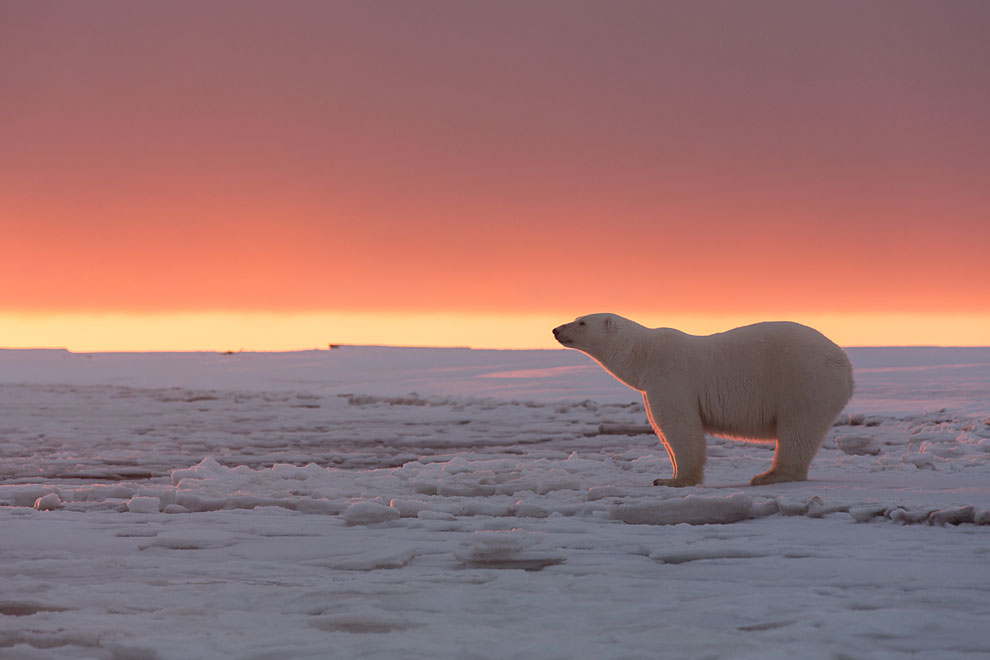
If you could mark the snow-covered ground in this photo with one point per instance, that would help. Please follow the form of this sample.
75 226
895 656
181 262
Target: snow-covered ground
447 503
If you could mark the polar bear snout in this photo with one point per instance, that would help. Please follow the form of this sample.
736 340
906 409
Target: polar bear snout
566 334
572 334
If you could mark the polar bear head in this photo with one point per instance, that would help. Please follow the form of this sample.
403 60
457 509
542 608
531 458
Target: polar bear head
591 334
614 342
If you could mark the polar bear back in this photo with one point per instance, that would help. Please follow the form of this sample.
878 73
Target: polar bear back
751 379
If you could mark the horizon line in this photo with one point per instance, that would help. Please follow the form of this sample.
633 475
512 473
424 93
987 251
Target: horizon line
338 347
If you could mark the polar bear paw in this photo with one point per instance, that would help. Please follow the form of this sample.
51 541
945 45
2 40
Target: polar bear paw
676 483
774 476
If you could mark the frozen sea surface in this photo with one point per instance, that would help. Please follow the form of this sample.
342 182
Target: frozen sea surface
448 503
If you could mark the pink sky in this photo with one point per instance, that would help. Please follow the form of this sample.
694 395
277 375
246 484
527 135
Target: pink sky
769 158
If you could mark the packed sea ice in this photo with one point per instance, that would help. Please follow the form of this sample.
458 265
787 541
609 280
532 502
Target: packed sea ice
447 503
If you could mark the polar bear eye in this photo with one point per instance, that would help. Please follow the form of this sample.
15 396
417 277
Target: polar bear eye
580 322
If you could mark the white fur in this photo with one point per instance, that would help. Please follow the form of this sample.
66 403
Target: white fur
769 381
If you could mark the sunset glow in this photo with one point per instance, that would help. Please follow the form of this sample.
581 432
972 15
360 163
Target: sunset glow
259 331
270 176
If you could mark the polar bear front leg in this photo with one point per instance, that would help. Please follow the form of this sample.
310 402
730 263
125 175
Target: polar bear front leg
683 437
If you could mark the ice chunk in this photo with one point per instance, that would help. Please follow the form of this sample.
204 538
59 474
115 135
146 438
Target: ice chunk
817 508
942 450
328 507
956 516
814 507
409 508
143 504
49 502
793 507
194 502
763 507
367 513
867 512
528 509
601 492
921 461
909 516
101 492
206 468
937 437
435 515
22 495
469 487
857 445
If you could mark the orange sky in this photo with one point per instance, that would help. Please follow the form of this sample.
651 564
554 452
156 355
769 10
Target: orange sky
718 159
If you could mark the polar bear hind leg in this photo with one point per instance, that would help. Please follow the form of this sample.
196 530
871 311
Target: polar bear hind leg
797 445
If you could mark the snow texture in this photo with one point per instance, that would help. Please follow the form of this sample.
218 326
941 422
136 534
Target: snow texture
425 503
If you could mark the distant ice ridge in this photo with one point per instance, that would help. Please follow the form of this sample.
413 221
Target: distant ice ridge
888 380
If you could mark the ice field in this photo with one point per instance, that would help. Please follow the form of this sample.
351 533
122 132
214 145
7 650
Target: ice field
447 503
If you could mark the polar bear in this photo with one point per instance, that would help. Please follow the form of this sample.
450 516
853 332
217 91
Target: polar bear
769 381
